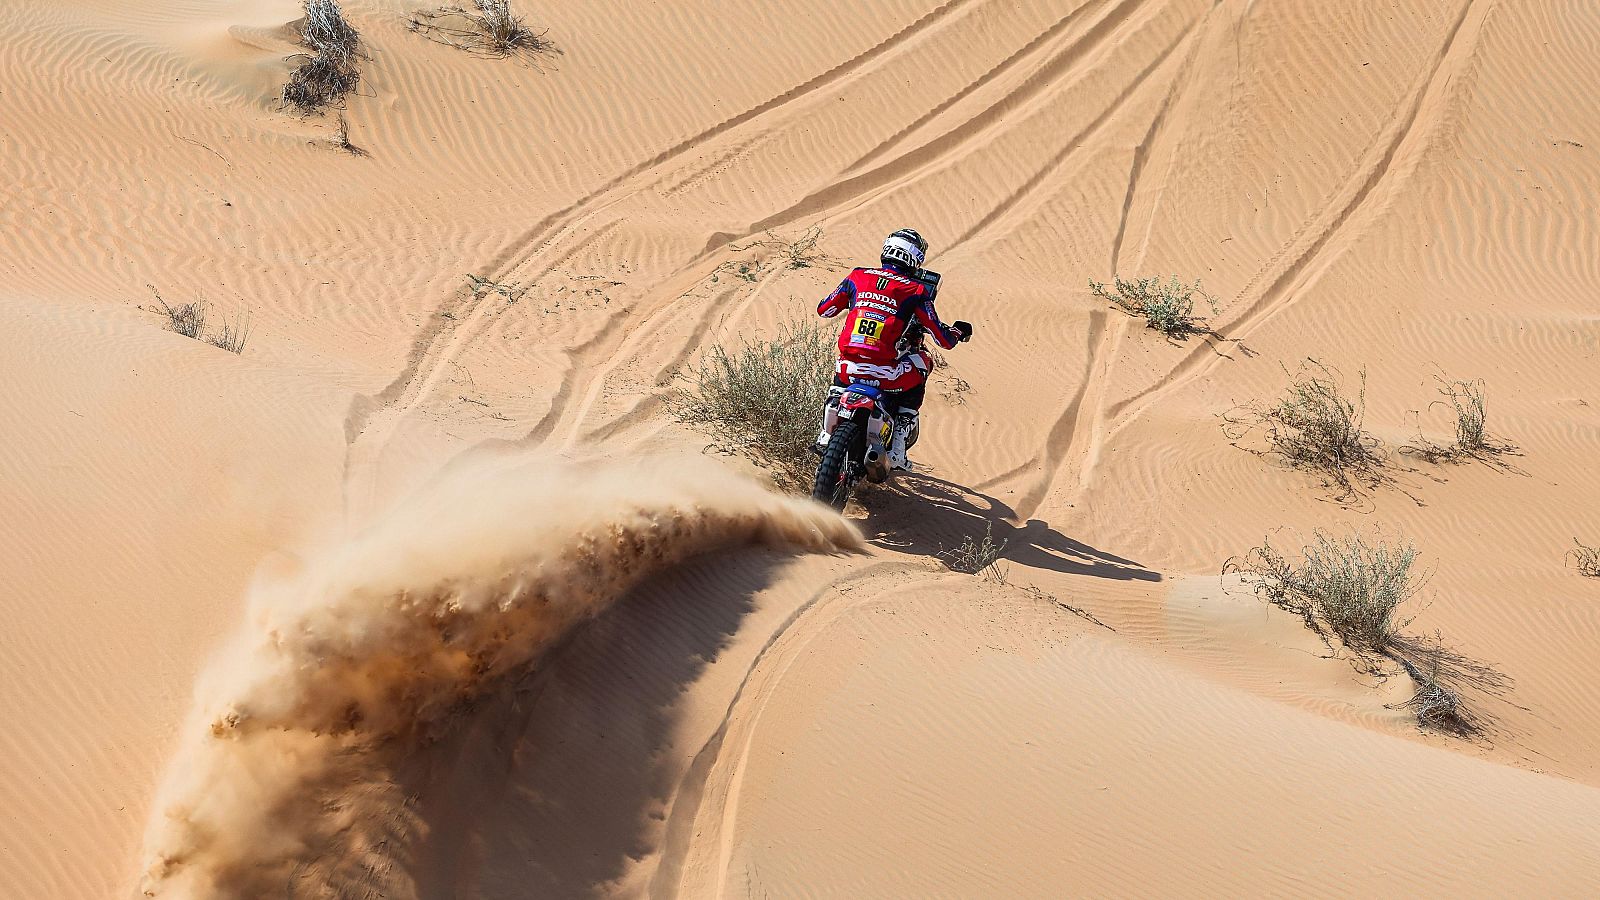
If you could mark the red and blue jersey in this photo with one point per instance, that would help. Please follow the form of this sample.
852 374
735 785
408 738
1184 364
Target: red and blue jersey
882 303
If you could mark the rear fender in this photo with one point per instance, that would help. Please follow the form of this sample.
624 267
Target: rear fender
858 399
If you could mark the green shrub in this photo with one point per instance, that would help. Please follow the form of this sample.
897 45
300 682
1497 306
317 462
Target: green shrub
1315 425
1352 590
1166 307
764 398
1472 439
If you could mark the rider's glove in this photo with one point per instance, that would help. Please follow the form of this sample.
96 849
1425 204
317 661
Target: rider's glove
963 329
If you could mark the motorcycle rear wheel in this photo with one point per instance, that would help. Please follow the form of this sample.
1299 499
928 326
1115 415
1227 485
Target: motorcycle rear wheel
833 473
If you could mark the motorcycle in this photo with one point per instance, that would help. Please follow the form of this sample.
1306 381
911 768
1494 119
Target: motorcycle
862 430
859 423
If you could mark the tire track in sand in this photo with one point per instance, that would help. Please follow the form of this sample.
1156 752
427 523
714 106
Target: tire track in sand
704 807
595 370
622 185
1036 85
1087 435
1059 440
995 73
1075 433
372 419
917 161
713 312
1364 199
1016 199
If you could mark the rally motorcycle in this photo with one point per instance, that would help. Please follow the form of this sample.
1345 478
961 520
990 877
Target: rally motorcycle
863 423
859 422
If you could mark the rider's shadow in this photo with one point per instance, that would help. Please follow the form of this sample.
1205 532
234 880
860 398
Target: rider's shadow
939 514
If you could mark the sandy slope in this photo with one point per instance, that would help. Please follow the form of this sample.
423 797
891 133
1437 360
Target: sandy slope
1404 189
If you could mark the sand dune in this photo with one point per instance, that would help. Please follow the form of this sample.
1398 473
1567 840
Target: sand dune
1404 192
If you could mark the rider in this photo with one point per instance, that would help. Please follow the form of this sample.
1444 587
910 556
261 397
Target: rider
890 306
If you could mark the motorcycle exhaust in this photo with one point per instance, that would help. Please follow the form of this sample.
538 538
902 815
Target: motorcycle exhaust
877 466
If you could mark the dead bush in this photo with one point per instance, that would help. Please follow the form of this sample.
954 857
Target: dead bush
975 557
187 319
1443 678
341 139
331 69
1585 558
509 291
233 334
489 29
775 252
802 252
190 320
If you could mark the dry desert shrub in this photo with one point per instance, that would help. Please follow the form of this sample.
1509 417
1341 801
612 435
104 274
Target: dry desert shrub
1037 594
490 28
190 319
331 69
510 291
341 138
1352 590
1584 558
763 398
187 319
1472 440
1440 676
975 557
954 388
1166 307
1316 425
233 334
318 82
776 251
1343 587
803 252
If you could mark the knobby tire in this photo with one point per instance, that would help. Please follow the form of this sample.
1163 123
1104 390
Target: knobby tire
833 473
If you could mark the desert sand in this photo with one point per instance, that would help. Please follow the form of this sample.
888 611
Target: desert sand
696 687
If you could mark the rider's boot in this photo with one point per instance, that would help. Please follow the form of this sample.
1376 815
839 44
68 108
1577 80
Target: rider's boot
905 423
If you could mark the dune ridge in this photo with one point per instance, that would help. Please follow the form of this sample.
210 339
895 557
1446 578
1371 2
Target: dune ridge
299 724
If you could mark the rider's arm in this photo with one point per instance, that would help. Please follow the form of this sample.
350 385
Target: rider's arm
837 302
943 335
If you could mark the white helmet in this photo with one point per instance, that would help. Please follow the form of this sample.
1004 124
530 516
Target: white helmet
904 248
